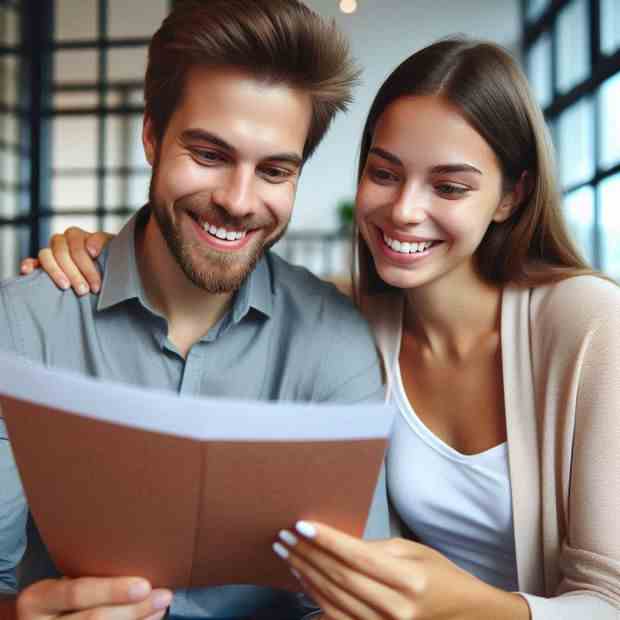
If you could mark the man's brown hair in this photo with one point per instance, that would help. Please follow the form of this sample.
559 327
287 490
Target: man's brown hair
280 41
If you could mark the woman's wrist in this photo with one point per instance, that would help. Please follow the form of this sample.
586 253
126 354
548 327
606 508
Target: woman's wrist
498 604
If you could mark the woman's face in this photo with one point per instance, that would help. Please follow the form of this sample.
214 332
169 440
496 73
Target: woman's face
430 188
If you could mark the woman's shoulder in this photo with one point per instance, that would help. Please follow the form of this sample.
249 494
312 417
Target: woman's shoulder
579 304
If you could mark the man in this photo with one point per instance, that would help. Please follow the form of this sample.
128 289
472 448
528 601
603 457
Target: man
238 95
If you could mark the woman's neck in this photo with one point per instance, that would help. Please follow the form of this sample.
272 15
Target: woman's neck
453 316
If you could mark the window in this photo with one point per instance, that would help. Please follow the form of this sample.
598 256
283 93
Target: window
572 51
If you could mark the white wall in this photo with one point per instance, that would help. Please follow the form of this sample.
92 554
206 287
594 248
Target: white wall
382 34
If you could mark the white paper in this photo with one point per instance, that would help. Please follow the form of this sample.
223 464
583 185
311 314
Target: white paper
191 417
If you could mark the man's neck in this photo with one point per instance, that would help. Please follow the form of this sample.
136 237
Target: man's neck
190 310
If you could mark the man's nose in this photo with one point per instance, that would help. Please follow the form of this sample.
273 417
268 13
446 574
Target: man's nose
237 193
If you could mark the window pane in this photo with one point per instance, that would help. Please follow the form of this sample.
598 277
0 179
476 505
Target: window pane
74 192
539 70
610 226
579 213
83 99
74 141
576 142
8 252
132 19
124 142
610 26
9 129
115 192
9 26
127 63
9 167
610 121
75 66
75 20
9 199
138 190
573 37
60 223
8 79
113 223
535 8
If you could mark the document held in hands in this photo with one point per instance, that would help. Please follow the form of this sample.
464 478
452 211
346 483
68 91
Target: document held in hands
186 492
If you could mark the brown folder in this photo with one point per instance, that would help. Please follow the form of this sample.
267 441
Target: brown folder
111 499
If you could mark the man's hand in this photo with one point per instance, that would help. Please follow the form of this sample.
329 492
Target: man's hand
90 598
69 261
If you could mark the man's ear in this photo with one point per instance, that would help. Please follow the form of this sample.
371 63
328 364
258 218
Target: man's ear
514 198
148 140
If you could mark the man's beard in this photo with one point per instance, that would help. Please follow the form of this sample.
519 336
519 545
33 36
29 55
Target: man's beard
215 272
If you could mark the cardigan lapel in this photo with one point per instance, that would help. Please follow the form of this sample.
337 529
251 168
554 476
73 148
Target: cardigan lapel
523 438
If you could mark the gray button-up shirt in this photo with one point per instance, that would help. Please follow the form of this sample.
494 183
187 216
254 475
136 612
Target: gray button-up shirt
287 336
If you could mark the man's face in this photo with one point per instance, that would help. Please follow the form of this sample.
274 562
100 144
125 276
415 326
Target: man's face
225 173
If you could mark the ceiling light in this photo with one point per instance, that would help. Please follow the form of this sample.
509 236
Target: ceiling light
348 6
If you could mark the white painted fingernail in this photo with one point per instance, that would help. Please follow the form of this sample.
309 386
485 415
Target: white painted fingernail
281 550
305 529
296 573
288 537
83 289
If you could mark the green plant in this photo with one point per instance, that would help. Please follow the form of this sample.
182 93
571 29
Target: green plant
345 213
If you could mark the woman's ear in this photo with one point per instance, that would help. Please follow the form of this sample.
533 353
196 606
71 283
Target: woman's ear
514 198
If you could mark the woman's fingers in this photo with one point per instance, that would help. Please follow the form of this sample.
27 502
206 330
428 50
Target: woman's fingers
349 589
48 263
69 250
28 265
376 559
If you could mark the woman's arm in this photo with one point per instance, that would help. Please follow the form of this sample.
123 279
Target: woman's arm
579 352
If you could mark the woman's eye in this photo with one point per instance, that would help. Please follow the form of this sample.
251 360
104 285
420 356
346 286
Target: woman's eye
381 175
451 190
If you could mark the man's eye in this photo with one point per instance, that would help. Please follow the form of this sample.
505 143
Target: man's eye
208 156
275 174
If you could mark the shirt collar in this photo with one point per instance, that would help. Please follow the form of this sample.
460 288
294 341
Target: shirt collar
121 279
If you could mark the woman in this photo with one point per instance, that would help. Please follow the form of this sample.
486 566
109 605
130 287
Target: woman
501 348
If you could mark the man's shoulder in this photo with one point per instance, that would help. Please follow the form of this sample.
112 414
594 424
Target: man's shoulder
32 308
35 290
303 287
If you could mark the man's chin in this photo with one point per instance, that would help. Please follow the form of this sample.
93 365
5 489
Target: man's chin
221 279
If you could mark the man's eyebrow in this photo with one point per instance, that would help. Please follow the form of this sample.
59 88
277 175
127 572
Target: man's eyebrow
206 136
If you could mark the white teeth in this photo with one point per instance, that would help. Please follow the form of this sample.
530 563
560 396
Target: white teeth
404 247
222 233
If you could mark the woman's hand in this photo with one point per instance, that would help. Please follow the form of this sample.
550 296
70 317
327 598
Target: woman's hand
69 261
353 579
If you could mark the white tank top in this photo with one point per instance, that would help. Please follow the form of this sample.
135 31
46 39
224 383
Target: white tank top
458 504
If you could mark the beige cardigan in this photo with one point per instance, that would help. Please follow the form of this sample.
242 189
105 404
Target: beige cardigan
561 370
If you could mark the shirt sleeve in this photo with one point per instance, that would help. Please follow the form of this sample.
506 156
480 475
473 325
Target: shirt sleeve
13 508
590 555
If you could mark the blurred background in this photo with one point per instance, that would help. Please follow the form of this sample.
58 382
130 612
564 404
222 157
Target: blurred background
71 108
